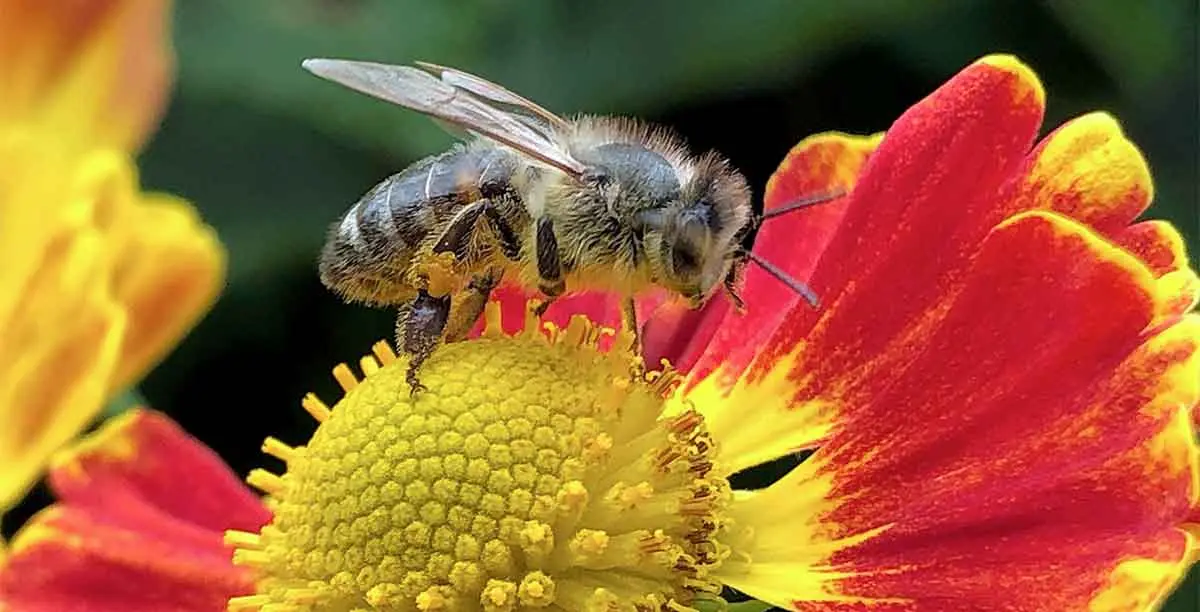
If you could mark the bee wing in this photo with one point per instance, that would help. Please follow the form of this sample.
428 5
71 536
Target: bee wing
484 88
423 92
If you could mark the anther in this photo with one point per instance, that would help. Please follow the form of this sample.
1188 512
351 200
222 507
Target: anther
265 481
314 406
499 596
493 320
251 558
383 352
344 377
247 602
537 589
276 448
368 365
243 539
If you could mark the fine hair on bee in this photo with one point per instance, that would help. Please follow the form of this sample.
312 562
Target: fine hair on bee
557 204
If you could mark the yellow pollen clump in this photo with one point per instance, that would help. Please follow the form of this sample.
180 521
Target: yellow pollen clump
534 472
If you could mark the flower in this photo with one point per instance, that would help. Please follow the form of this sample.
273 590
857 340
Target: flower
100 279
137 526
998 391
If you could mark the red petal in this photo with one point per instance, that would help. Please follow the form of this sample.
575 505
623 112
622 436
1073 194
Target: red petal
1159 245
926 198
1088 170
141 468
1036 442
69 559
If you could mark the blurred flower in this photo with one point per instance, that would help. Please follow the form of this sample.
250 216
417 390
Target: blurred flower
998 392
99 279
137 527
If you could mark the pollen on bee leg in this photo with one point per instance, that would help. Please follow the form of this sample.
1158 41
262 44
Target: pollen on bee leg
345 377
436 273
383 352
314 406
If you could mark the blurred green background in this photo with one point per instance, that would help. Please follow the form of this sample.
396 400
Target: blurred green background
272 155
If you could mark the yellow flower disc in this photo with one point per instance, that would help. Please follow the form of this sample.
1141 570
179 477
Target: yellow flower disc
532 473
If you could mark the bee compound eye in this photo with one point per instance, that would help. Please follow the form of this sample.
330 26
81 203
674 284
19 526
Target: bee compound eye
683 259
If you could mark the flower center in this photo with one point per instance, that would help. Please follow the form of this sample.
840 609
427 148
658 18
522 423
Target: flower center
534 472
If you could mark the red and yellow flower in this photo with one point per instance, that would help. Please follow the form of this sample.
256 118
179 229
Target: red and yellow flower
99 278
997 392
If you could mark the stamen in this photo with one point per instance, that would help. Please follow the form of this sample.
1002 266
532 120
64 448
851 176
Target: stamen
243 539
276 448
316 407
345 377
368 365
493 320
383 352
251 558
247 602
265 481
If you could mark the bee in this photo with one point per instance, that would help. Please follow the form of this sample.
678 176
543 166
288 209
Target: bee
563 205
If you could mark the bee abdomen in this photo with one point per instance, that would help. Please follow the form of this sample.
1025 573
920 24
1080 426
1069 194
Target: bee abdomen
367 253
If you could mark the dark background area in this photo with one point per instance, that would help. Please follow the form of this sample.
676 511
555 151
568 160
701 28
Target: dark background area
272 155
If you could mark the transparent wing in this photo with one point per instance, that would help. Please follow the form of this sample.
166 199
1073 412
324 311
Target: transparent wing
491 91
425 93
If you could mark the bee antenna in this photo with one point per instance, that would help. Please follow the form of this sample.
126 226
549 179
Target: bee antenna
803 202
794 284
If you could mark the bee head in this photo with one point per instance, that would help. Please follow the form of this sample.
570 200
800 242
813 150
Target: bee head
693 245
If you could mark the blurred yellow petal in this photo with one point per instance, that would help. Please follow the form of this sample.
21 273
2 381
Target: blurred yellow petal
98 70
60 349
170 269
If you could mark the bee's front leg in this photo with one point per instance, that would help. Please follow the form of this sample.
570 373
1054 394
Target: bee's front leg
419 330
549 265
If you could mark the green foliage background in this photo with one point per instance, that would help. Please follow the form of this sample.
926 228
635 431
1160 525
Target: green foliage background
272 155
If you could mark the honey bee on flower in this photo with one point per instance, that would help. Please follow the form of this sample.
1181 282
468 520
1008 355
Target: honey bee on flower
998 397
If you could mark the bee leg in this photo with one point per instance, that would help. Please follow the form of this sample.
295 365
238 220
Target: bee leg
419 330
474 299
510 245
457 235
629 321
549 266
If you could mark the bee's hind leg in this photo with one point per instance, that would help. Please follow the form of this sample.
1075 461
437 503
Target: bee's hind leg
419 330
472 303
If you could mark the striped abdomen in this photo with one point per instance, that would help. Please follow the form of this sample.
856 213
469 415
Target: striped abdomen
367 252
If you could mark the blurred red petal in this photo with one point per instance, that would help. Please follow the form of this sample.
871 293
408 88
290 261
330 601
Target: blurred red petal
73 560
141 467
